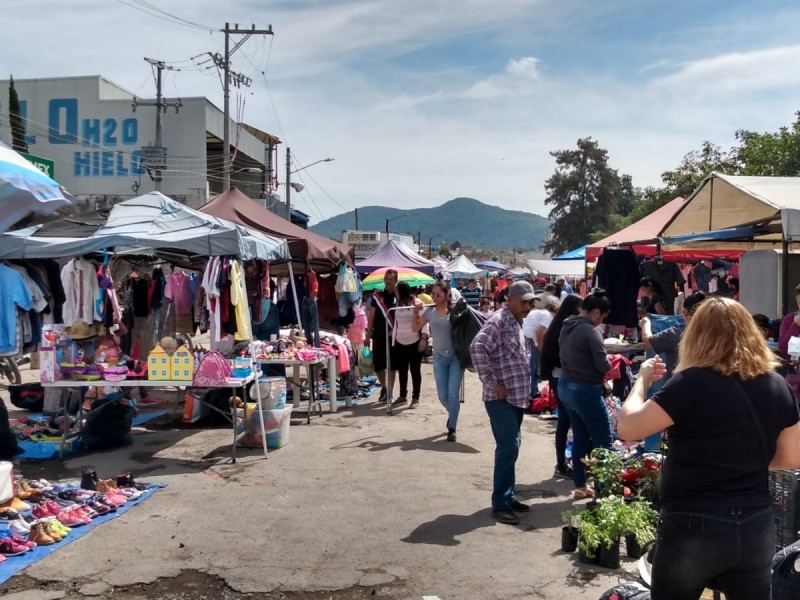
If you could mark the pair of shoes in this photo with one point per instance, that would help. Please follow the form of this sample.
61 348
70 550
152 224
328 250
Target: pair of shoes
88 478
400 400
39 535
9 547
15 504
518 506
451 435
563 471
507 517
582 494
414 403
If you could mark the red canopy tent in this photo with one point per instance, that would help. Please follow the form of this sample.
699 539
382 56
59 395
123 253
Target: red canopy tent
306 247
641 237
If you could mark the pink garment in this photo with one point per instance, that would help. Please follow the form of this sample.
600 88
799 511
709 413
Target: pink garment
355 332
178 290
343 358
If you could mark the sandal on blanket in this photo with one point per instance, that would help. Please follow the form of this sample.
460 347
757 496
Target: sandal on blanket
582 493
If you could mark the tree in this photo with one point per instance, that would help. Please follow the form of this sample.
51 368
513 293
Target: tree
456 245
769 154
15 119
628 196
695 166
583 192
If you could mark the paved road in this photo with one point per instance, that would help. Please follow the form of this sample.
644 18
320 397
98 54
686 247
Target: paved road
358 505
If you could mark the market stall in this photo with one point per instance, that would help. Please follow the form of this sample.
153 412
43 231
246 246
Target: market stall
171 231
395 254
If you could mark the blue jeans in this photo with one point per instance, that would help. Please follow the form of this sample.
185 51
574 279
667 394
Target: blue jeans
505 420
447 373
731 546
562 426
534 361
591 426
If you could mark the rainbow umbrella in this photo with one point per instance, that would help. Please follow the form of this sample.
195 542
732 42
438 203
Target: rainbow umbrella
414 278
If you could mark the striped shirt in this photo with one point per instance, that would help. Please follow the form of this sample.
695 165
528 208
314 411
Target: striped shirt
473 297
500 355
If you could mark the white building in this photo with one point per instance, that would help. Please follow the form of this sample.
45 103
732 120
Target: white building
94 132
365 243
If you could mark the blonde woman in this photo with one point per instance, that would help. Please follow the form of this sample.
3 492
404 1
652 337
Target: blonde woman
447 371
730 418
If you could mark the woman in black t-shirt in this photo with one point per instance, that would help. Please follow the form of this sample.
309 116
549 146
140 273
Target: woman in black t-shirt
731 418
653 299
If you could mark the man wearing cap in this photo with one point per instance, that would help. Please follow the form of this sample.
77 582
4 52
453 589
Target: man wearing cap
502 296
500 356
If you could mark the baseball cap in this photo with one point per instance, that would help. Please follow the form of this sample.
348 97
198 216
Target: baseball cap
521 289
541 281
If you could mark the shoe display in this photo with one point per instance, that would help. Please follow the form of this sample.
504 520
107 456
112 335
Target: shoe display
88 478
16 504
52 530
22 541
8 514
9 547
70 519
507 517
20 527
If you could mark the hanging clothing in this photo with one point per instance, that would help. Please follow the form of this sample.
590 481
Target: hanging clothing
239 301
617 272
79 279
14 294
667 275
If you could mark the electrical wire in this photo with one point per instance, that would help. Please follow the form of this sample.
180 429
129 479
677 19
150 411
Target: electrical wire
156 12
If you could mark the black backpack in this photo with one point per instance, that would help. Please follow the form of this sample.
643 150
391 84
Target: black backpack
466 323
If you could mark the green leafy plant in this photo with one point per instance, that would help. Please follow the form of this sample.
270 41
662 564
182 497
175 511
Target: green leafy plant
605 467
638 519
571 518
602 524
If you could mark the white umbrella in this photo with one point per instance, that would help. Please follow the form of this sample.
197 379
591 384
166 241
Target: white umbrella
24 189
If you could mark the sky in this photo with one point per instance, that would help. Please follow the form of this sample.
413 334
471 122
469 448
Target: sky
422 101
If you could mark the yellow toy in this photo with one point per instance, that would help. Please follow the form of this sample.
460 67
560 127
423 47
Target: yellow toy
182 368
159 364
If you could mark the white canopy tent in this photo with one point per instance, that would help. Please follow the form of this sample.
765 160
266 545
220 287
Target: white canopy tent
567 268
461 268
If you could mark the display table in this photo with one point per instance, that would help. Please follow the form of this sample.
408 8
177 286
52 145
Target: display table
625 348
314 401
232 384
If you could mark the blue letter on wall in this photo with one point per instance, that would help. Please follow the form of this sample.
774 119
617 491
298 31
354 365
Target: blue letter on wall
69 133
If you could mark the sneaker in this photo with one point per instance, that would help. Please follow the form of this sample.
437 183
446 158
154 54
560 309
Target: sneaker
451 435
9 547
100 508
507 517
16 504
70 518
39 535
8 514
52 530
400 400
20 527
383 396
23 541
42 512
60 528
563 472
414 403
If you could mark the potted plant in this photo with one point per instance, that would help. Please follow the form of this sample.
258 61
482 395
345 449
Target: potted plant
638 521
606 468
599 529
569 532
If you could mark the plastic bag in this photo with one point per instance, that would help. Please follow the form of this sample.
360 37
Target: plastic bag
28 396
108 425
466 323
365 364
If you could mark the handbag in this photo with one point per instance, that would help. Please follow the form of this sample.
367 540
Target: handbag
786 573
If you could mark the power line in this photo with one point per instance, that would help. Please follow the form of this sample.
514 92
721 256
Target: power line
163 15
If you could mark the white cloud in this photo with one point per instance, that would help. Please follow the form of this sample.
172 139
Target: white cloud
518 76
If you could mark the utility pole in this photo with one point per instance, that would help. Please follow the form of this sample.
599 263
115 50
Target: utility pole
154 157
288 184
356 211
224 63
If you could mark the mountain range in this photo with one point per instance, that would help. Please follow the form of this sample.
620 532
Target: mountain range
466 220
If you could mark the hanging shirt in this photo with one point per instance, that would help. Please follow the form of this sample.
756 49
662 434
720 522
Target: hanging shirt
79 278
179 291
14 294
668 275
239 301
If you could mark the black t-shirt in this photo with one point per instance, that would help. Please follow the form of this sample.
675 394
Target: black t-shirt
379 323
715 457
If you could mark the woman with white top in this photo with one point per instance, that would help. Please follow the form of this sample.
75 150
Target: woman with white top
407 345
534 327
447 369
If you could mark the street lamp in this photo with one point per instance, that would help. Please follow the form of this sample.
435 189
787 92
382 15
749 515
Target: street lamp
289 184
392 219
430 244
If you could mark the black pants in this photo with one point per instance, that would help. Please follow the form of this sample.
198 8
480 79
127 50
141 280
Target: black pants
730 546
562 427
405 358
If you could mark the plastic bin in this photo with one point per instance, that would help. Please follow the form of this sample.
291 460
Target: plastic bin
273 392
785 506
277 423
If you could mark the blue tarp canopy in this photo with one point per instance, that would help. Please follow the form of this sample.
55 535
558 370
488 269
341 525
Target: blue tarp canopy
578 253
492 265
151 221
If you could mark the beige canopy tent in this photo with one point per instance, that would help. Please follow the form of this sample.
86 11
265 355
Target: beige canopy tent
742 212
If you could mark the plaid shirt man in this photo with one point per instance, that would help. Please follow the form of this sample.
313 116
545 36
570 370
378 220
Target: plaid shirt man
500 355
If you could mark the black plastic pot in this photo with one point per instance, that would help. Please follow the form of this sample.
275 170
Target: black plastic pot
632 548
569 539
589 560
608 557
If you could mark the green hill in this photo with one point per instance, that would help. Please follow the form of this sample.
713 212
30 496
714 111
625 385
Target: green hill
467 220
